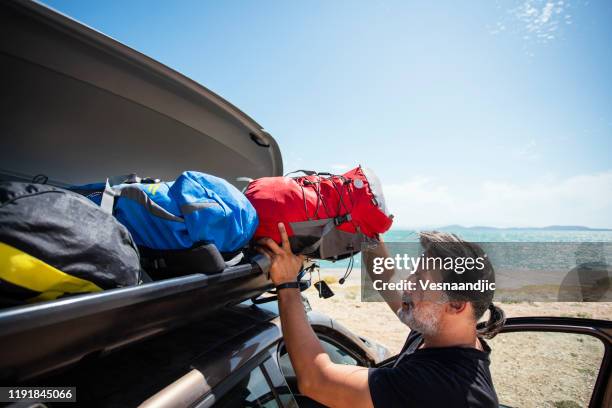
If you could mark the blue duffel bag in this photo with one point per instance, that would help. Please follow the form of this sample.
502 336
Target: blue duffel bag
194 209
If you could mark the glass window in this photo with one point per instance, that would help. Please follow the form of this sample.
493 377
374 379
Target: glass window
251 391
337 354
545 369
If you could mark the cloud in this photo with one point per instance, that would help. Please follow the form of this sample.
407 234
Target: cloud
577 200
535 21
547 12
541 23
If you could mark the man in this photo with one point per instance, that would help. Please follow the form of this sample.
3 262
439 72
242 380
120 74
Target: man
444 362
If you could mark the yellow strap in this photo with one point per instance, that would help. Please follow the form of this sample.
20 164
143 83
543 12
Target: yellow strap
24 270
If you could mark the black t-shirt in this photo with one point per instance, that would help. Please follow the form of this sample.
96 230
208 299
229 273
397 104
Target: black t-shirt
435 377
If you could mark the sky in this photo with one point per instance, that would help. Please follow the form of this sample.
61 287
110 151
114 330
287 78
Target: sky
478 113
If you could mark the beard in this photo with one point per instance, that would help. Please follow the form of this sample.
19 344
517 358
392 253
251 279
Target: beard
425 320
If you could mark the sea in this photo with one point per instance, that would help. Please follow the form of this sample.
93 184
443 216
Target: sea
491 235
530 264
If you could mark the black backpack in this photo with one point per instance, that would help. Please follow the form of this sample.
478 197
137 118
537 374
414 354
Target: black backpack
54 243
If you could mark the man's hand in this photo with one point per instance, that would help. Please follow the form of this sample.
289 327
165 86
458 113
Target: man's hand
333 385
392 297
285 265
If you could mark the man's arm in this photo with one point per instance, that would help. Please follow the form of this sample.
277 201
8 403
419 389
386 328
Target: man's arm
334 385
392 297
331 384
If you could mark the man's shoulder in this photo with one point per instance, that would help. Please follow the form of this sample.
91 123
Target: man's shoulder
426 379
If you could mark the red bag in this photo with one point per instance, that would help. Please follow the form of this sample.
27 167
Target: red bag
327 216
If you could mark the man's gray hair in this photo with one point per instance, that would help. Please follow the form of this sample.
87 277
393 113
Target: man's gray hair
444 245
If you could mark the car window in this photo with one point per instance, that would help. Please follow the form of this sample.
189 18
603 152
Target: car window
545 369
252 391
336 353
280 385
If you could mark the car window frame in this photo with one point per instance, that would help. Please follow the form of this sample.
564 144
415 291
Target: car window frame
600 329
281 347
228 383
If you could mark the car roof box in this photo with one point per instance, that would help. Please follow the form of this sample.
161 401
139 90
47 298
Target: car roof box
78 106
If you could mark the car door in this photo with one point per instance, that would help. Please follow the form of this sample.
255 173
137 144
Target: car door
553 362
258 384
339 353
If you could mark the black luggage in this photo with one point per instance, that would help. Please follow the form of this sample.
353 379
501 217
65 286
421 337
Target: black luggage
54 243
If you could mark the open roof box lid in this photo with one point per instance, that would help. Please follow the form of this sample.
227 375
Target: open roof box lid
78 106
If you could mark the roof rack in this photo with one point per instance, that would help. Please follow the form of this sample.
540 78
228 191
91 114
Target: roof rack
42 338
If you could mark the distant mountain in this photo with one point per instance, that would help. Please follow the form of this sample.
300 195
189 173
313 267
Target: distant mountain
549 228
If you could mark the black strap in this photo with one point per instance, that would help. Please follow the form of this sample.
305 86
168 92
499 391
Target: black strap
202 258
409 349
292 285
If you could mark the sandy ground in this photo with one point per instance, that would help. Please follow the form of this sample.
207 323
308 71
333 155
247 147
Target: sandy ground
529 369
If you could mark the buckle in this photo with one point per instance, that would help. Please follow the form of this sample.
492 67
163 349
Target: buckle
341 219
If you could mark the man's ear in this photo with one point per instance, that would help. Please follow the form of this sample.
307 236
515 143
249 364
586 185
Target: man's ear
456 307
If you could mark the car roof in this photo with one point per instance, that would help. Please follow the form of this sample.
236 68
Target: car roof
216 345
